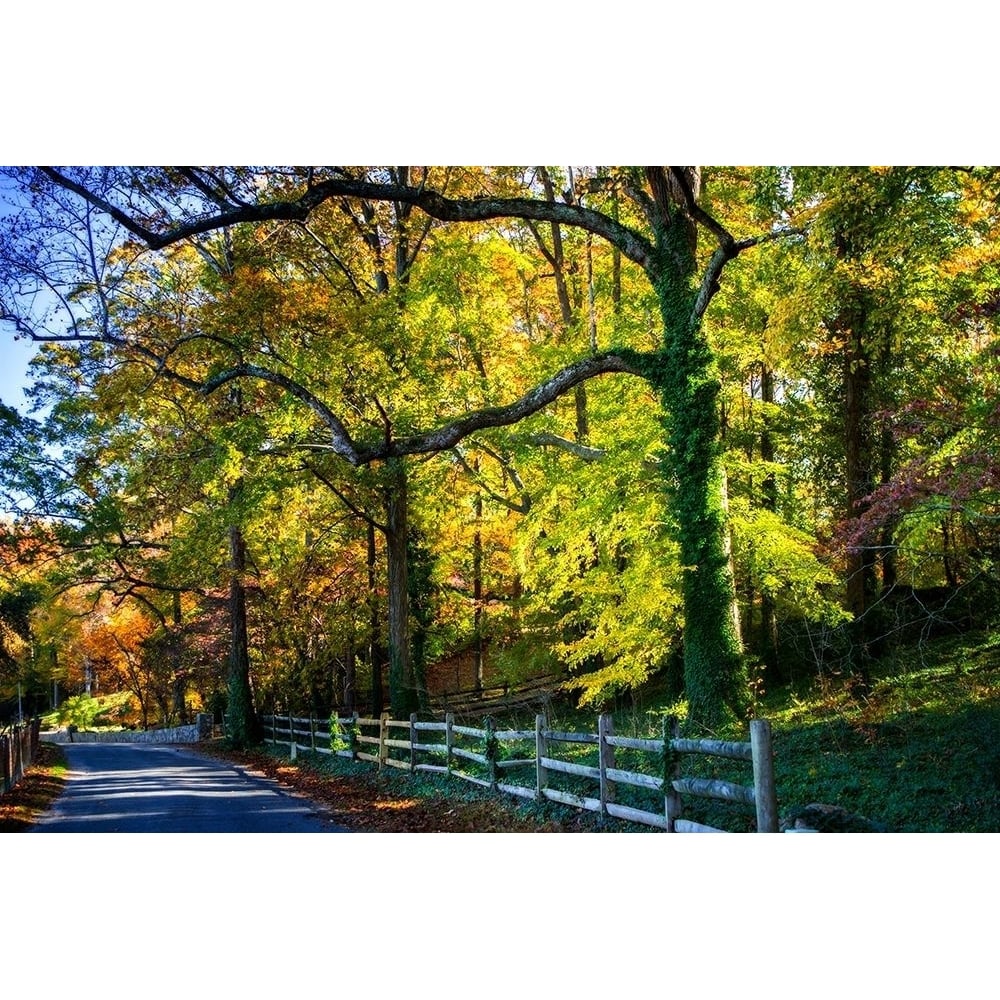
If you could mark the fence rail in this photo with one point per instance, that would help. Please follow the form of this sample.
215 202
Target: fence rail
498 756
18 746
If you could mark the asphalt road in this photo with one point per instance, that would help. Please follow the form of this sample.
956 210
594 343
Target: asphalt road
135 788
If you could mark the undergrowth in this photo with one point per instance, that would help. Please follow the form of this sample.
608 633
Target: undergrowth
35 792
919 753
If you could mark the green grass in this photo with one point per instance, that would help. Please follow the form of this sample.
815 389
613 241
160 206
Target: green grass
922 753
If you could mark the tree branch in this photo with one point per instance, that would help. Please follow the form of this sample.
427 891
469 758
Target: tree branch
691 206
346 501
722 256
581 451
441 438
518 508
531 402
633 245
343 443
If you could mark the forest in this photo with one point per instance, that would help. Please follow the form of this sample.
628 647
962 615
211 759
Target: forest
346 438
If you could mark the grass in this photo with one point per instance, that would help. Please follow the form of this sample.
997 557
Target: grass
35 792
920 754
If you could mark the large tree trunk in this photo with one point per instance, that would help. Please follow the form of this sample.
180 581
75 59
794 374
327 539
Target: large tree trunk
402 696
860 482
768 641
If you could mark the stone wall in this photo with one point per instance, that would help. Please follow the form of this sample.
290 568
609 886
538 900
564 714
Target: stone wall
200 730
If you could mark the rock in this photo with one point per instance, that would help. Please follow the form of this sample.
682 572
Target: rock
819 817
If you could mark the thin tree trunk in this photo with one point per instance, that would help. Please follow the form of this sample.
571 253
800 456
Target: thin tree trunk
887 548
242 720
350 672
946 546
179 678
477 590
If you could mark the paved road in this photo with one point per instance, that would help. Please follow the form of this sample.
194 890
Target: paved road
123 788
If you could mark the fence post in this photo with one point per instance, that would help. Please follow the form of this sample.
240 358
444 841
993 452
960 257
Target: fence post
764 791
413 742
491 751
671 769
312 733
541 750
291 736
449 738
383 733
354 735
606 759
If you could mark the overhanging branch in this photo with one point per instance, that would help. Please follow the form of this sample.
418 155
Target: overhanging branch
437 206
441 438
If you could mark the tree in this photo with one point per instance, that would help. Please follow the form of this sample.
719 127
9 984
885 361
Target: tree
871 288
934 506
161 209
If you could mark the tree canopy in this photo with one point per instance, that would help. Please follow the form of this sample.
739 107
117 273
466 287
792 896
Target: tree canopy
613 424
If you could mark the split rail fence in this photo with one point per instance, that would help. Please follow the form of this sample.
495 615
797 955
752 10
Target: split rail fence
18 746
500 760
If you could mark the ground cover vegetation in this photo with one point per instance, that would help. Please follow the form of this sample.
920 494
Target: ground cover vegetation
35 792
317 438
918 755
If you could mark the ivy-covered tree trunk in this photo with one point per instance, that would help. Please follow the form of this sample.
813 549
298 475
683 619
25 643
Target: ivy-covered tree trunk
714 672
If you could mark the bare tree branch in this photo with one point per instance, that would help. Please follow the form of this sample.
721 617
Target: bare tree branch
344 499
518 508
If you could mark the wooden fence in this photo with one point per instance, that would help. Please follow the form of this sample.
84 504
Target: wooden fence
18 746
502 760
478 701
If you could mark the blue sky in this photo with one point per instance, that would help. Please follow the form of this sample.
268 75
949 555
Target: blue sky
14 354
14 358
